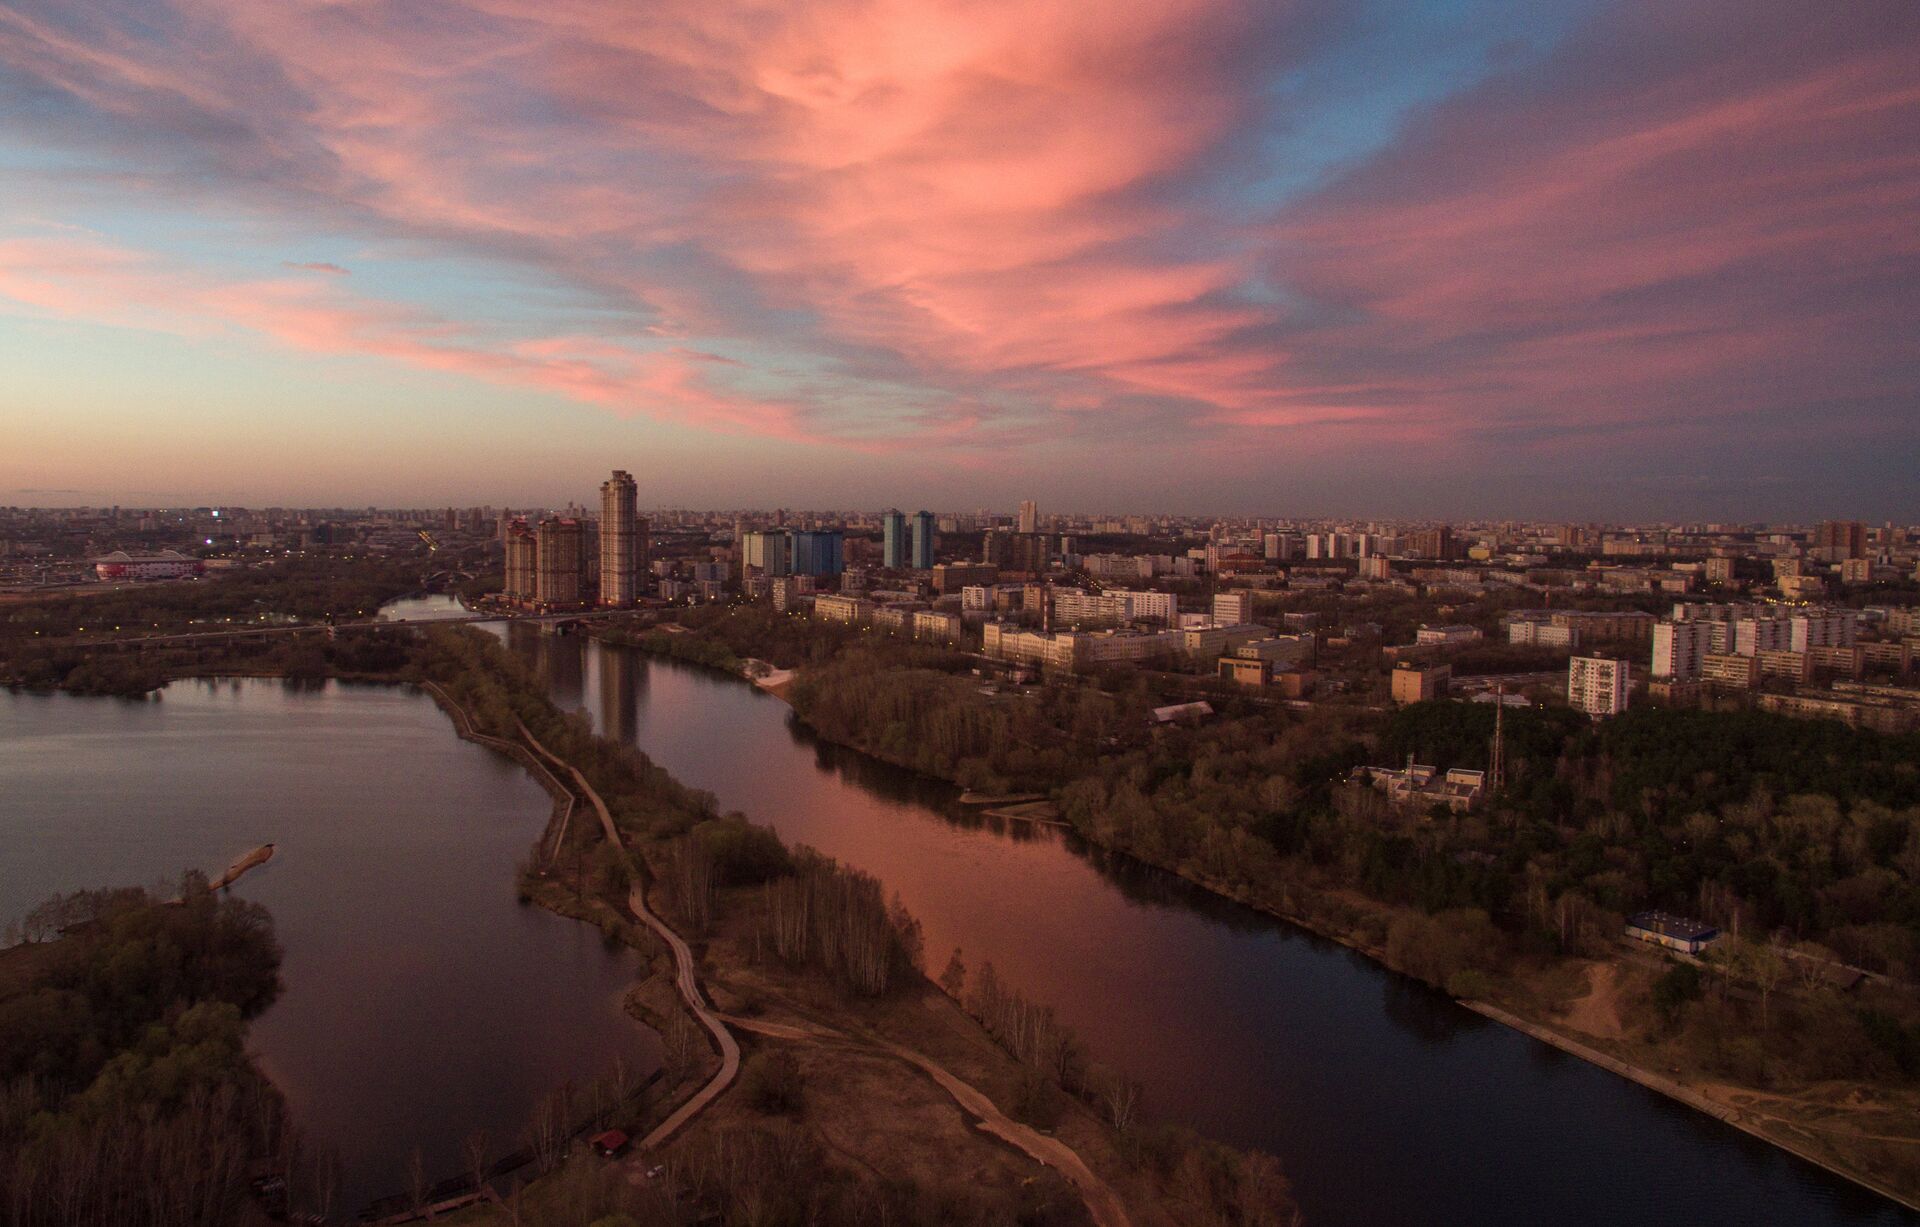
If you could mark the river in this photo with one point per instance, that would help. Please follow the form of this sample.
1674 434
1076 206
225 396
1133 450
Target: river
1386 1102
422 1002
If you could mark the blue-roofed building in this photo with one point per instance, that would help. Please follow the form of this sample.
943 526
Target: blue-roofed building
1674 932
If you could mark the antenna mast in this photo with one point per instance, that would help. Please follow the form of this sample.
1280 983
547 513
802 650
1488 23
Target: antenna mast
1497 768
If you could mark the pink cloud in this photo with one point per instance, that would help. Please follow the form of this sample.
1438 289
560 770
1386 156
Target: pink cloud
984 225
93 281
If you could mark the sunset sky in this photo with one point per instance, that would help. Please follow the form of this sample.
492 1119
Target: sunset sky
1635 259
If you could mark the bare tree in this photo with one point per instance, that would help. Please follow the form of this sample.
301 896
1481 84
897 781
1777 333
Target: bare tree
326 1182
474 1150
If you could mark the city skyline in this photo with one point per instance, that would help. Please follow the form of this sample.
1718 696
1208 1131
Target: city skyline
1348 259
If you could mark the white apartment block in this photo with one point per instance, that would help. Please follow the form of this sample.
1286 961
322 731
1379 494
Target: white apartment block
1543 634
1679 647
1232 608
1161 607
1446 636
1598 686
1832 628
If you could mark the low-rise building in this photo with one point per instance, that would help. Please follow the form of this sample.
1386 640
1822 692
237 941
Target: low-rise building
1446 636
1673 932
936 626
1247 671
846 610
1413 683
1211 642
1418 785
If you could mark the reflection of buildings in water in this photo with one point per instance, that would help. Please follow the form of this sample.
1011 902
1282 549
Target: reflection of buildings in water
557 661
614 674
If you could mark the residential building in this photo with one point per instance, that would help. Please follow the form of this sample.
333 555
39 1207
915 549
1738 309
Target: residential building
1856 712
1730 671
893 537
1834 540
1446 636
936 626
1429 543
1598 685
1832 628
816 552
1010 551
846 610
559 564
522 563
955 576
1233 607
1542 634
1788 666
1066 651
923 540
1413 683
1029 516
768 553
619 541
1679 647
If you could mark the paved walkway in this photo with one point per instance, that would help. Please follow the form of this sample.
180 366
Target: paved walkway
685 978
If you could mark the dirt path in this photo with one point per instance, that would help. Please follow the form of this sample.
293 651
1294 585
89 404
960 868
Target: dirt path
1598 1013
1103 1204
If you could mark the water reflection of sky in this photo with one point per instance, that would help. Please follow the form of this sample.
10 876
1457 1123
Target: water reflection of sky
422 1001
1386 1102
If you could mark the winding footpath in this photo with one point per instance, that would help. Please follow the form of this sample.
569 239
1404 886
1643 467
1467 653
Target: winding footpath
685 978
1103 1204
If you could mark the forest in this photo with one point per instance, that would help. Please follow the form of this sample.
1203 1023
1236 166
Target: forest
126 1095
1802 836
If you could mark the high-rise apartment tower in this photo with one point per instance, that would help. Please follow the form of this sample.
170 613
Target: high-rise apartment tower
619 540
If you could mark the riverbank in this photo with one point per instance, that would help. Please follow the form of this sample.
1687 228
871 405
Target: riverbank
911 1118
1859 1131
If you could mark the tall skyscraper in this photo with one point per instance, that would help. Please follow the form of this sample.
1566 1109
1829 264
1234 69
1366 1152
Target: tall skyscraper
923 540
619 539
893 539
1029 516
520 561
559 558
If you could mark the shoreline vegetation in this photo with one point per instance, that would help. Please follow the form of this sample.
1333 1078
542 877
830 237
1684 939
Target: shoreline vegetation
877 1101
127 1095
822 977
1706 1033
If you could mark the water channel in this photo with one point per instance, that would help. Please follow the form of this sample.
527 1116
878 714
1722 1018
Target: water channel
1386 1102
